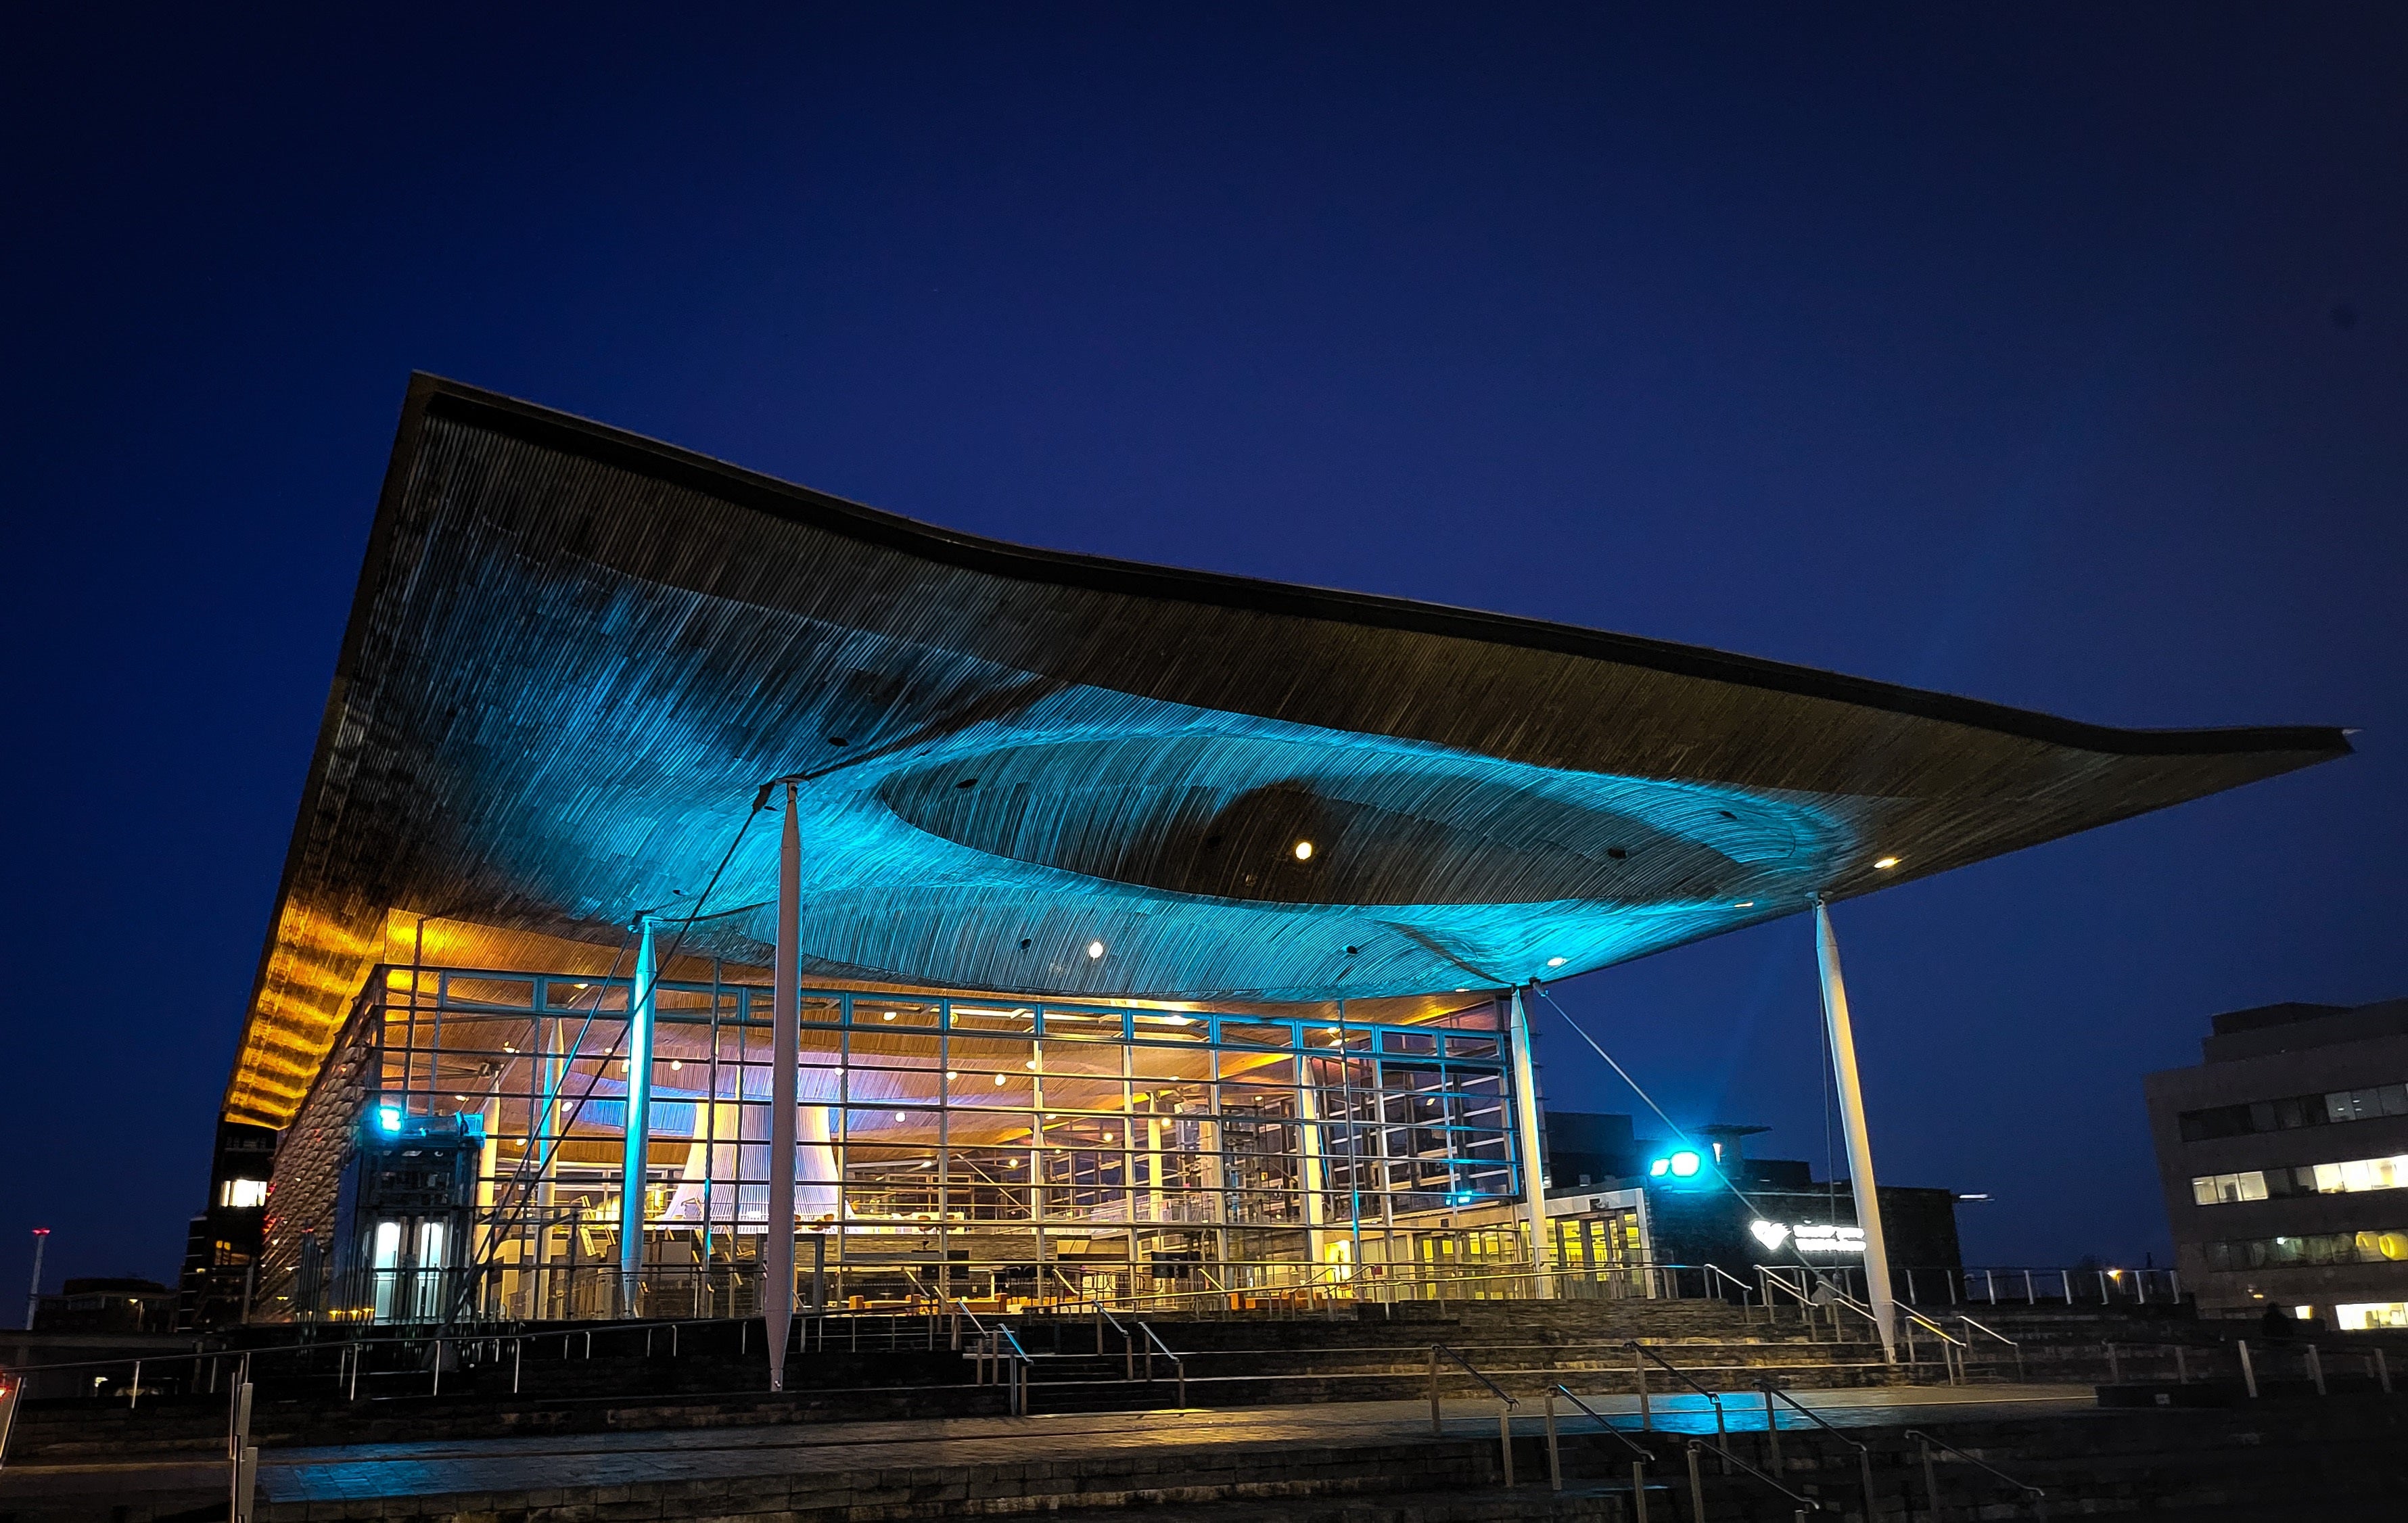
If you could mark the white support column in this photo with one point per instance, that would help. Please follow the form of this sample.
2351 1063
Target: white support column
1526 1114
778 1243
1314 1157
637 1132
1852 1121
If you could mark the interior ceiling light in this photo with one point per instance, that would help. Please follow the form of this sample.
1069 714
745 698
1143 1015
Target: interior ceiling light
1555 962
1886 863
1094 951
889 1016
1745 904
998 1081
1304 851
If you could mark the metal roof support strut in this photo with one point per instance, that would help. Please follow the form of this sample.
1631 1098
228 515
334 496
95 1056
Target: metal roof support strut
777 1239
1526 1118
1852 1121
637 1128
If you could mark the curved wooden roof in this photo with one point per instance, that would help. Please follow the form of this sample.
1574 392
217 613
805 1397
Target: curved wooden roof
576 655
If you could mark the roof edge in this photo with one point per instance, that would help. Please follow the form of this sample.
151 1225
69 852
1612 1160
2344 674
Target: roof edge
538 425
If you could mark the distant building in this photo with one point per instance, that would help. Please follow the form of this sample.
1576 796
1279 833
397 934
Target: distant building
221 1244
107 1305
2284 1158
1614 1199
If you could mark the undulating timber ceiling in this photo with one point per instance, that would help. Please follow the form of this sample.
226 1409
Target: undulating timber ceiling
576 656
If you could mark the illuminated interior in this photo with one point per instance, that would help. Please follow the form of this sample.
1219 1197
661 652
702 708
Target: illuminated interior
963 1147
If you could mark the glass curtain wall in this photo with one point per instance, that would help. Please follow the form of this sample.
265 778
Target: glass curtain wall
979 1149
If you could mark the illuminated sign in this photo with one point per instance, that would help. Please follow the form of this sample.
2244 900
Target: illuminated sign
1810 1237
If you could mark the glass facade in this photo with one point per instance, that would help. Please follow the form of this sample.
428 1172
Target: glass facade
977 1147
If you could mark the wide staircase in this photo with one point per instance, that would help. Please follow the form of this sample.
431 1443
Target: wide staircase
2303 1447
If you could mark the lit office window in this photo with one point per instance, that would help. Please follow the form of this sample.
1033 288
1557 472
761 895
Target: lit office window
2348 1177
2366 1315
2224 1189
240 1193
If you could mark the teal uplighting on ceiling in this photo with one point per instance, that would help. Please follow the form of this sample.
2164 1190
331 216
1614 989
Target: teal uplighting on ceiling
576 655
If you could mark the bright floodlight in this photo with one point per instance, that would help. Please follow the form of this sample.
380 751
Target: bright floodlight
1684 1164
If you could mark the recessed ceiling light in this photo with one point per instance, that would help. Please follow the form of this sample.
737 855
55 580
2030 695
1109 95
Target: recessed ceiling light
1094 951
1555 962
1886 863
1745 904
998 1081
889 1016
1303 851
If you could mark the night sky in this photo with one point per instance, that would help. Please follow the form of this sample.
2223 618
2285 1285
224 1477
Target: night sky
2051 355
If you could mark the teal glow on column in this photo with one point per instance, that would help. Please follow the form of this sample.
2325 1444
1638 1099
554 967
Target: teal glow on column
639 1124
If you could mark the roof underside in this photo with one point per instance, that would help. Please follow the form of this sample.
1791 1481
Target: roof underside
576 655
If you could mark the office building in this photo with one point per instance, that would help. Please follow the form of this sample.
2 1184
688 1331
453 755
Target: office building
2284 1157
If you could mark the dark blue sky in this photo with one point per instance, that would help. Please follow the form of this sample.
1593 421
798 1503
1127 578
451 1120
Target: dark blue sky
2052 355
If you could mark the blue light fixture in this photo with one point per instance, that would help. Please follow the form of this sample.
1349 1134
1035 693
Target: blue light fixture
1682 1165
389 1117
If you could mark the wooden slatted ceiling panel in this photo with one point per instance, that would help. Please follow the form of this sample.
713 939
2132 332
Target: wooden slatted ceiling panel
574 656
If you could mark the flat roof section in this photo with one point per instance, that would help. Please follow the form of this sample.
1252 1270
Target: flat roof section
575 656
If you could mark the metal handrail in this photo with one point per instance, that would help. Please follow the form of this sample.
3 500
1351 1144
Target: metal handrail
1773 1436
1178 1362
1722 1431
1025 1367
1973 1327
1499 1391
1746 1292
2039 1497
1606 1423
1633 1346
1697 1483
1812 1415
1806 1307
1368 1282
1504 1412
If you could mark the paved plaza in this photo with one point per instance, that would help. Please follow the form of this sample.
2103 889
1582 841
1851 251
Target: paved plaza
577 1462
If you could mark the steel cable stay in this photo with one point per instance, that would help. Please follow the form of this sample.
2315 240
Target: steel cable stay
1838 1295
541 1160
1678 1132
